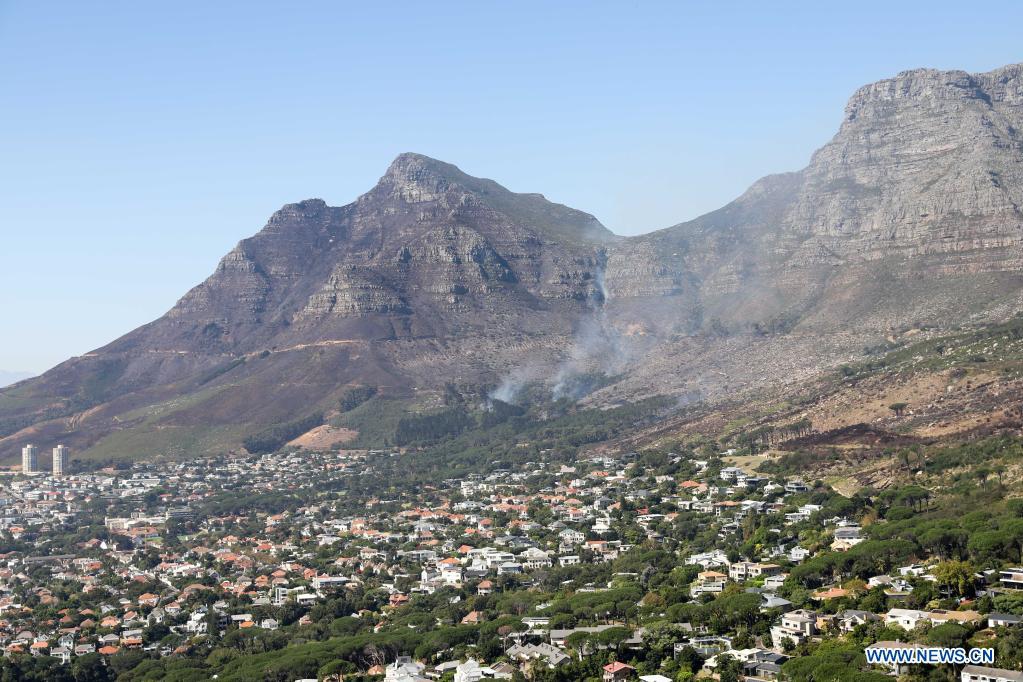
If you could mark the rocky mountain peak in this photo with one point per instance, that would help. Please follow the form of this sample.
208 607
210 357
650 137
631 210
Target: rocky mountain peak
933 88
417 178
423 185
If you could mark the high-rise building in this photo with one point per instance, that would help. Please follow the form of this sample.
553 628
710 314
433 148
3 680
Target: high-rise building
29 459
61 459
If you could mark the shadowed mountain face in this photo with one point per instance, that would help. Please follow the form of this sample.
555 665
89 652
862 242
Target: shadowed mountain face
910 216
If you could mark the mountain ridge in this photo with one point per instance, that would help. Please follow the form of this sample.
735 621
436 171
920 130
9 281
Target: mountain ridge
909 217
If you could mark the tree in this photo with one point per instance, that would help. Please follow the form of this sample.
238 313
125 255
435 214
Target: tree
613 637
943 541
956 576
689 659
659 641
336 670
898 408
90 668
951 635
728 668
579 641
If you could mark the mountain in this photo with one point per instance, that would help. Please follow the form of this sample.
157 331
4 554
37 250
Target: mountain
908 219
431 277
920 188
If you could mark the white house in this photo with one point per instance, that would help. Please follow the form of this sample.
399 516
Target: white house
907 619
977 673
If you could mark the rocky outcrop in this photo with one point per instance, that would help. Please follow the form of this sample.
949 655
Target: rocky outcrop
353 291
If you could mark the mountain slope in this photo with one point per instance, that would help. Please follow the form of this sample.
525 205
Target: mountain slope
908 218
430 268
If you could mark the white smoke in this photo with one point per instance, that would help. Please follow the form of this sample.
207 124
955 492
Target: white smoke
598 350
512 384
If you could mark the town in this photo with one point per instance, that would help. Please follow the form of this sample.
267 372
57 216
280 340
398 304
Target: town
655 566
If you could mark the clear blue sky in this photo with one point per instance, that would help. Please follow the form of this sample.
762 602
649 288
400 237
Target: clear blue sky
139 143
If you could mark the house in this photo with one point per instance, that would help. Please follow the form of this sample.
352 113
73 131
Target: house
850 618
941 616
705 646
731 473
502 671
907 619
558 636
888 581
534 558
1003 620
763 665
741 571
536 622
571 537
525 653
797 626
509 567
709 582
846 537
615 671
830 593
773 601
798 554
708 559
470 671
1011 578
450 573
977 673
404 669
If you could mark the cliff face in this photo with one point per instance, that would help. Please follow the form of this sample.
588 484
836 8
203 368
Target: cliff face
429 249
909 216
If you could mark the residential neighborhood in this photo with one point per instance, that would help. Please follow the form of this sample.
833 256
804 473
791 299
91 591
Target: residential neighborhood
667 565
